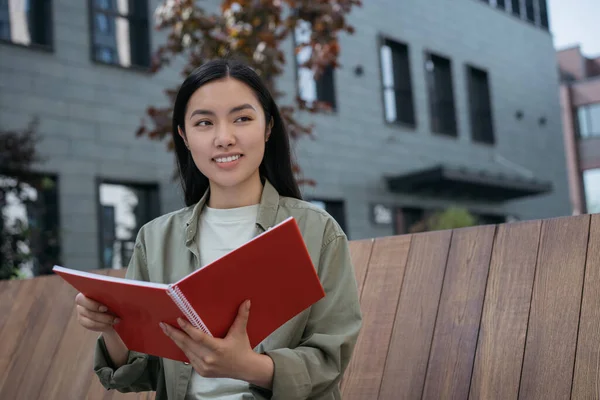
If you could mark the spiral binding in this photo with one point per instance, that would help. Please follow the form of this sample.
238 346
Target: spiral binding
177 295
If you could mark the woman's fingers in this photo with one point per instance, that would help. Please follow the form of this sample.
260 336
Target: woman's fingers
101 318
92 325
93 315
90 304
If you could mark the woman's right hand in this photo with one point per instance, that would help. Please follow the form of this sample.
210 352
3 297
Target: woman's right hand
93 315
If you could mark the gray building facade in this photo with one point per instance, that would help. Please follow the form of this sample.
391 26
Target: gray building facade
436 104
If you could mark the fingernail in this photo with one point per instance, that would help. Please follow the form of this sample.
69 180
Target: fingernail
117 320
248 305
181 322
103 309
162 326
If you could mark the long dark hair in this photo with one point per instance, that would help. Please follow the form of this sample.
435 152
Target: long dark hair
276 165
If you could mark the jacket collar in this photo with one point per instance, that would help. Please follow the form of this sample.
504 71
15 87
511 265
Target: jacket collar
267 211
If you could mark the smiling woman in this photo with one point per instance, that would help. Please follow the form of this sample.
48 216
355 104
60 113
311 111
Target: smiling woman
235 168
223 110
226 135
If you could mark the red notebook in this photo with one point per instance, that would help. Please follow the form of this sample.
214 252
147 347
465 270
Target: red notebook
273 270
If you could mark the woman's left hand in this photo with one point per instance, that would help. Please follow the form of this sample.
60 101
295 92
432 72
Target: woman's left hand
230 357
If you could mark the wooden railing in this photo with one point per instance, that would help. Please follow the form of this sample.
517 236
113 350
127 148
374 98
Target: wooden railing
490 312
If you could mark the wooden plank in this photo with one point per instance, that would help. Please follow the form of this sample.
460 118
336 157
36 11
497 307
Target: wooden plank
9 290
71 371
503 327
22 318
586 382
459 314
415 319
30 366
360 253
552 334
378 304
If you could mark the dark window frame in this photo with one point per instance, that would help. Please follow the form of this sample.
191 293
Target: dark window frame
410 93
342 221
530 11
516 11
328 71
544 21
48 13
475 137
155 206
134 19
440 104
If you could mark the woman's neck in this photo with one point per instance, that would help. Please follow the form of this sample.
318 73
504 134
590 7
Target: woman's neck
247 193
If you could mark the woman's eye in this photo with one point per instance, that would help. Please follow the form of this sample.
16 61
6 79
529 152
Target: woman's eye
203 123
243 119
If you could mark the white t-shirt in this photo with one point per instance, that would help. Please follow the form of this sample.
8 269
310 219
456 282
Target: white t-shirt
221 231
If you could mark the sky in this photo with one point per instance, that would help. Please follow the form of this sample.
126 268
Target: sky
575 22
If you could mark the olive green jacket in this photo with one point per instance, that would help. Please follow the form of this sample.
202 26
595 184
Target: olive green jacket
310 352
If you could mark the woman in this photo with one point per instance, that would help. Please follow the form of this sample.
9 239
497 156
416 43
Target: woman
234 162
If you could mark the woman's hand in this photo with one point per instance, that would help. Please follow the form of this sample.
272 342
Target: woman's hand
231 357
93 315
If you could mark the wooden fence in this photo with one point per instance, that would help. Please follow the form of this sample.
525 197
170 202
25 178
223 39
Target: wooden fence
491 312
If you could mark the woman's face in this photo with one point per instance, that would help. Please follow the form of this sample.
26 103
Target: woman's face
226 131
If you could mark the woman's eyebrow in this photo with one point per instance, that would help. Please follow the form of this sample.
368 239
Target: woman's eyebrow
233 110
242 107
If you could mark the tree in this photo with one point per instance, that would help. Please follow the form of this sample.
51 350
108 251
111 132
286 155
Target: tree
17 153
252 31
19 240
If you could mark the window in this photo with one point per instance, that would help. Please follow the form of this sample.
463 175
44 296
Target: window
591 184
589 121
309 89
408 220
516 7
480 107
500 4
529 11
123 211
397 86
441 94
29 222
335 208
27 23
120 32
544 14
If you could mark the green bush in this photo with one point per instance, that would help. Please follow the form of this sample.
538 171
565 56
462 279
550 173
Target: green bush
450 218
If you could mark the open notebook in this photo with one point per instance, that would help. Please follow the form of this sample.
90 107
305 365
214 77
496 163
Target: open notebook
273 270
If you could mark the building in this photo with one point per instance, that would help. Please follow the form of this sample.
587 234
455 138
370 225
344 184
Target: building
580 97
436 104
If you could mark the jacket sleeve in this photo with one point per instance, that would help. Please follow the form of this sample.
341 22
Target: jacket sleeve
141 372
316 366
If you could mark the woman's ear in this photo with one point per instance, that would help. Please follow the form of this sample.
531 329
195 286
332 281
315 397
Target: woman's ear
182 134
269 129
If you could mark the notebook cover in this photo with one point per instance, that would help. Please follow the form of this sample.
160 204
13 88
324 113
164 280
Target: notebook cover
273 270
141 308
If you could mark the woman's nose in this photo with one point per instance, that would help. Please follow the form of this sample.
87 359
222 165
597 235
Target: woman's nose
225 137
